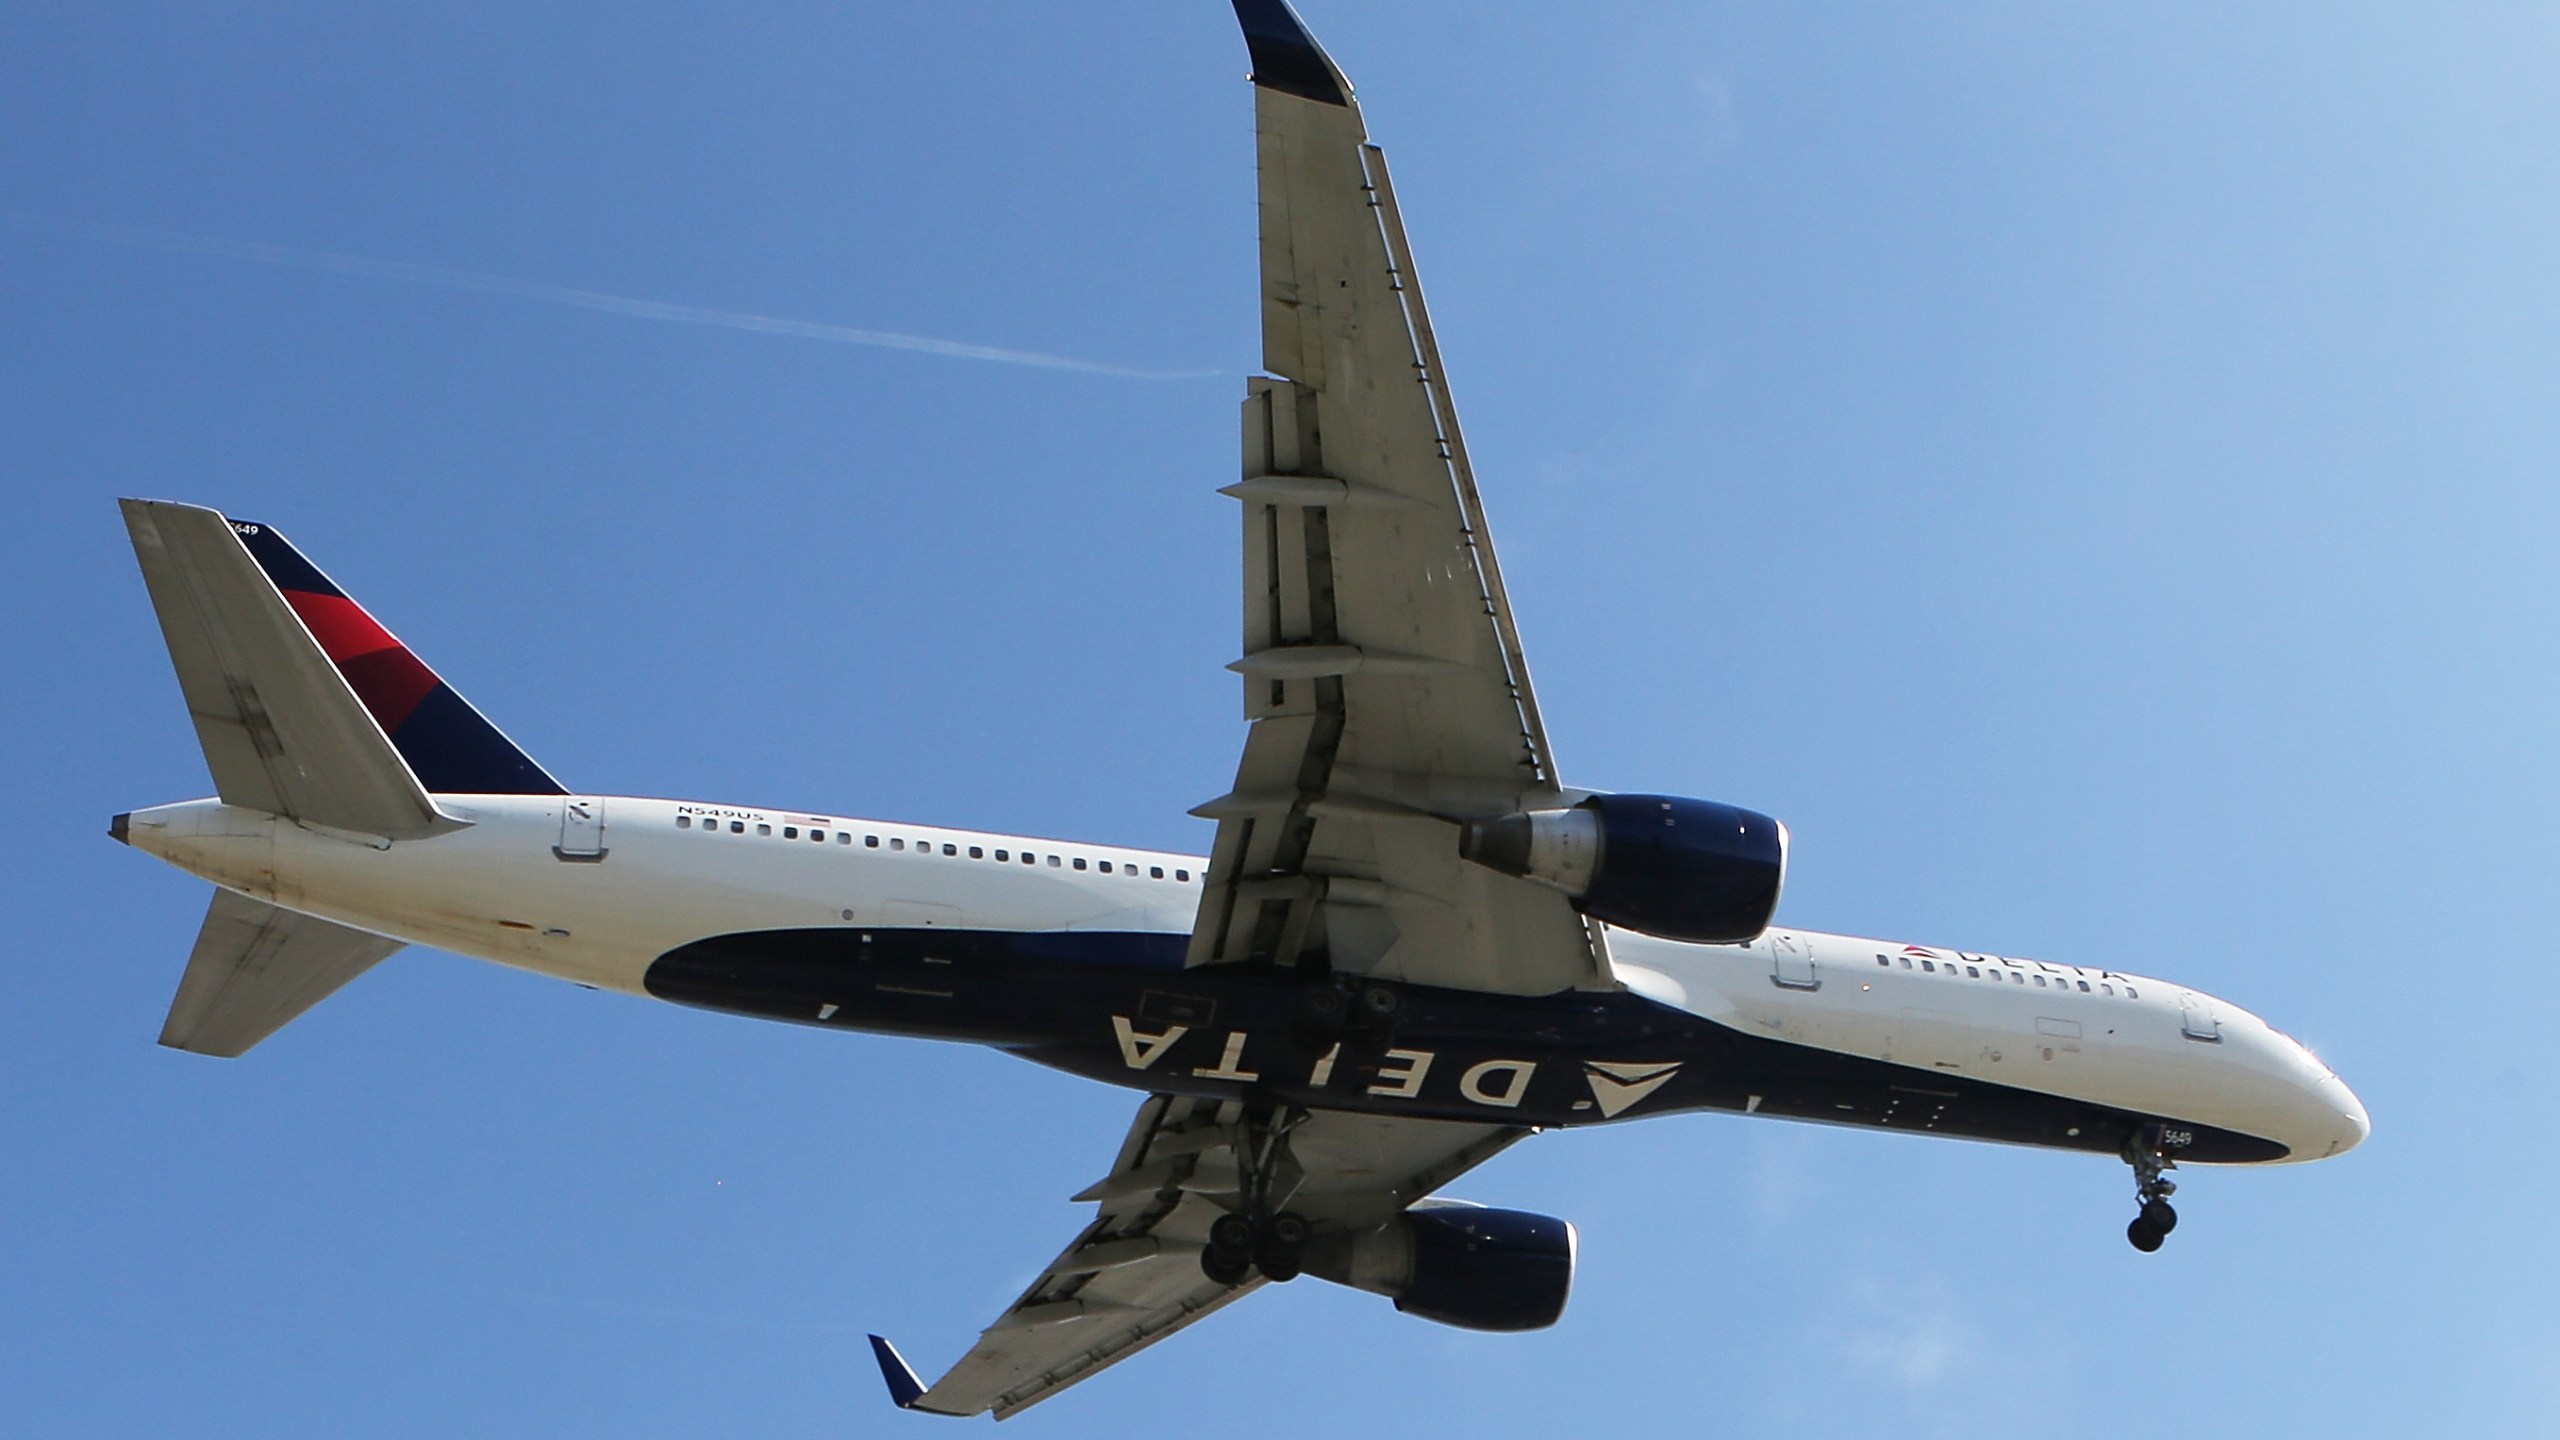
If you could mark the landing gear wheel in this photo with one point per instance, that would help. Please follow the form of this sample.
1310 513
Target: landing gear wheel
1281 1255
1224 1266
1232 1232
1324 1008
2159 1215
2147 1150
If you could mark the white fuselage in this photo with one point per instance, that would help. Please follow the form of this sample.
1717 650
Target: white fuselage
597 894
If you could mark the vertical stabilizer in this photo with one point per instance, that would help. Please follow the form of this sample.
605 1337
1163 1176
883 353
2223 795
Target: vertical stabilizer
449 745
305 705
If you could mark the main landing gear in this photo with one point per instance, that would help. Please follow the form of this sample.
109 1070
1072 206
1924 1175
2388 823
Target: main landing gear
1238 1246
1342 1006
2149 1159
1256 1236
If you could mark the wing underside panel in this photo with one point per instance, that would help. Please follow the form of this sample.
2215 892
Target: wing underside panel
1133 1276
1383 678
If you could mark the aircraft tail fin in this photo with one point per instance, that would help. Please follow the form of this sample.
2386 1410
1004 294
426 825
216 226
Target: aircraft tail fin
305 705
256 967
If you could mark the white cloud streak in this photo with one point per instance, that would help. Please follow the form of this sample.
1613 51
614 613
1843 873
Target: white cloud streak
404 272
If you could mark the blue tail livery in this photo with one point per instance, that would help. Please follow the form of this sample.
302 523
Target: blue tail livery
450 746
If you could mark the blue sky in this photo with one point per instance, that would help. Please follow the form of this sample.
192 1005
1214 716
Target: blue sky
2089 469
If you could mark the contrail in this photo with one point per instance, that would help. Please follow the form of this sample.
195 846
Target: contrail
437 275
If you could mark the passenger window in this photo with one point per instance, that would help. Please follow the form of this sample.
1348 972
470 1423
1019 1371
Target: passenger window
1106 867
1884 962
1053 862
684 822
950 849
870 842
2039 982
844 837
789 832
2084 987
737 827
1932 969
1030 859
897 844
1004 855
1970 970
1155 872
977 853
1184 875
1079 862
2132 994
2107 990
1906 962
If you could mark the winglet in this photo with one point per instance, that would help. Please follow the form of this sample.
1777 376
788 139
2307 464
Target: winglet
904 1387
1285 57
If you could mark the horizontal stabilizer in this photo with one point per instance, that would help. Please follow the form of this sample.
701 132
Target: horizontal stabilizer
256 967
281 730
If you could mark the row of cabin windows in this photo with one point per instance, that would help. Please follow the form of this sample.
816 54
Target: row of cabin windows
1130 868
2016 977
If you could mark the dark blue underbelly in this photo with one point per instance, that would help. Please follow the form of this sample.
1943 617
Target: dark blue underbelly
1120 1007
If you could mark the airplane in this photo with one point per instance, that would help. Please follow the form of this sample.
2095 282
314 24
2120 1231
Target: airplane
1410 946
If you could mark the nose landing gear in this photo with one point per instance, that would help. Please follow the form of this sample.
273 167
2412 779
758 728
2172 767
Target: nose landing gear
2150 1154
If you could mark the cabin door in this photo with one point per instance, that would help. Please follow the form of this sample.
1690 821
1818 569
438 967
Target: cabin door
1791 961
581 828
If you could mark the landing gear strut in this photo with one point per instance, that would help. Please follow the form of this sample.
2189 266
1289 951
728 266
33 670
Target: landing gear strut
2149 1159
1254 1236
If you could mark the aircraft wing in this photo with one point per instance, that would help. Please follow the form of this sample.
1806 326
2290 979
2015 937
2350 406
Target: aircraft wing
1383 678
1132 1276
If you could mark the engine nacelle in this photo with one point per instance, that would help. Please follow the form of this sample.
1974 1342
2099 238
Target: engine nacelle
1460 1265
1680 869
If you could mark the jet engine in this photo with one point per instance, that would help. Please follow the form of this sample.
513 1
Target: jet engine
1457 1264
1678 869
